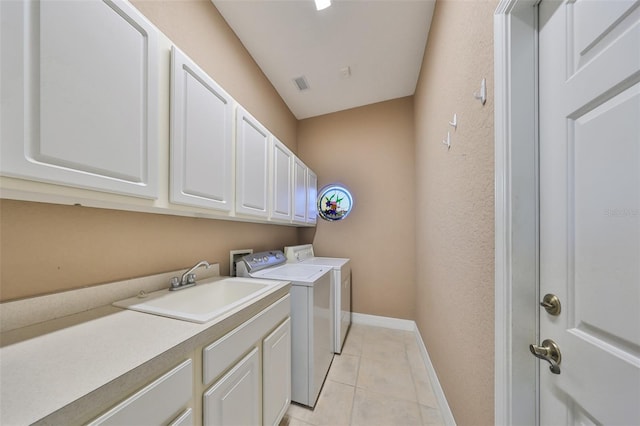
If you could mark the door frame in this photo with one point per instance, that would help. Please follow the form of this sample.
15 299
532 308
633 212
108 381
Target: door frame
516 212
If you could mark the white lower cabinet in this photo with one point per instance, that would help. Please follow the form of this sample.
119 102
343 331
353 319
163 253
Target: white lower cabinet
276 376
246 380
247 372
163 401
235 398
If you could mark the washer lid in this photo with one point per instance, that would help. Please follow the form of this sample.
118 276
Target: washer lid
293 272
334 262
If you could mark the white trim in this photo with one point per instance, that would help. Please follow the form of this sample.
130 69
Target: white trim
386 322
408 325
445 410
516 211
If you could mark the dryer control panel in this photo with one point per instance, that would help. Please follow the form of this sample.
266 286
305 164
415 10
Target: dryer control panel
258 261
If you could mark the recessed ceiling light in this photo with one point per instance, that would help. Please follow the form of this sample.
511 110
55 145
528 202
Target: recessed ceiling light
322 4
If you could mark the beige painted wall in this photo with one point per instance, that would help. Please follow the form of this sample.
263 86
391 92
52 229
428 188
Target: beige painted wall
46 248
369 149
455 205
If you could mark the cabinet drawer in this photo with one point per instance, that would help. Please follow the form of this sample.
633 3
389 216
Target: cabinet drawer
218 356
157 403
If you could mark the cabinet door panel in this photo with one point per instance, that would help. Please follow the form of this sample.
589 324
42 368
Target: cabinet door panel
312 197
201 143
81 87
282 177
235 398
252 148
276 382
300 191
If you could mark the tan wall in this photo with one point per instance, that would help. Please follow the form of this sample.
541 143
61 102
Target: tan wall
46 248
455 205
369 149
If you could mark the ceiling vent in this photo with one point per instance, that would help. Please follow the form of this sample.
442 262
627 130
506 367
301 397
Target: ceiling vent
301 83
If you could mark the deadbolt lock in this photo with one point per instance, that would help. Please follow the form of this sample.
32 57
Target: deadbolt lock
551 304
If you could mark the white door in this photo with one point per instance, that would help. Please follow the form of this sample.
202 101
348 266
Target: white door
590 209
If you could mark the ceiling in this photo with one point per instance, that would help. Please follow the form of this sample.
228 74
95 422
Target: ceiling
354 53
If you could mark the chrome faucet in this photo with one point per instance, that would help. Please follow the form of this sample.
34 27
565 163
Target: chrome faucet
188 279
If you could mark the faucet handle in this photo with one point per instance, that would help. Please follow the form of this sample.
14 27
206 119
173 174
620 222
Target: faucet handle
174 282
191 278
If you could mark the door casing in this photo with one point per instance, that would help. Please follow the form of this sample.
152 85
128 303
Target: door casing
516 211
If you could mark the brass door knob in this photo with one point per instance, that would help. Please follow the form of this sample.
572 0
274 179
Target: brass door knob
550 352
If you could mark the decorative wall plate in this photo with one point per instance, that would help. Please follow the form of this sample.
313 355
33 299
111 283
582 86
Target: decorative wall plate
334 202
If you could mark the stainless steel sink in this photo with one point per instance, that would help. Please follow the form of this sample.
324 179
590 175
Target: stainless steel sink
202 303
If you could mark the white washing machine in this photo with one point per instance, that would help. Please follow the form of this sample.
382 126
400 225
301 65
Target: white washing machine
340 288
311 336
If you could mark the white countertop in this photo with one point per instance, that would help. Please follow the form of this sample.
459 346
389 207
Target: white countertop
58 364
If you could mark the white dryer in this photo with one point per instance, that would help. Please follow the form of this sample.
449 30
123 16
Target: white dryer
311 335
340 288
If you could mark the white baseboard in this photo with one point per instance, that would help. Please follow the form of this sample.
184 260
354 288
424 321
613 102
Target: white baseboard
386 322
408 325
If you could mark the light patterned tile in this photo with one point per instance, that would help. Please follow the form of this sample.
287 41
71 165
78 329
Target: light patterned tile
333 406
384 350
344 369
372 409
424 390
431 416
388 377
384 335
292 421
353 341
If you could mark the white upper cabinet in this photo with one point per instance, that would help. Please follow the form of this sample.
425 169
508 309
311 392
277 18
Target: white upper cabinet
79 83
201 137
299 191
312 196
282 181
252 165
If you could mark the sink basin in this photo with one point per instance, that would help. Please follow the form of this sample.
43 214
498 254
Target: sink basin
202 303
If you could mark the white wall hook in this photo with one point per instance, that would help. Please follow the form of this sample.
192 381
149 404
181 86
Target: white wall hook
482 96
454 123
447 141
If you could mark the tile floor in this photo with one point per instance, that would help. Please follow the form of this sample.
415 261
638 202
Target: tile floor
379 379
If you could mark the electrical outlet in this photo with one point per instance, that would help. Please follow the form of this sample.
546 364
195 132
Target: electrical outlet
234 255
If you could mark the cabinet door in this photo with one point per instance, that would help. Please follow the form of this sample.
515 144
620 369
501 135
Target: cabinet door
300 191
312 195
235 398
276 381
201 141
79 82
252 165
282 180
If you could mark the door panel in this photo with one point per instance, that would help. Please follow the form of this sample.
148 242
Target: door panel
590 209
80 84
